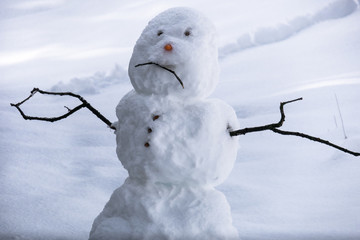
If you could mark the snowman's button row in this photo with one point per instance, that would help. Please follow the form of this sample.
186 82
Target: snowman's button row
149 130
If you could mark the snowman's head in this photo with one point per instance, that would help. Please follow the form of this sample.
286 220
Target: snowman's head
181 40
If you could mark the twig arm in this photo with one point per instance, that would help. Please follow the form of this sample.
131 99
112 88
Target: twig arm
84 104
275 128
99 115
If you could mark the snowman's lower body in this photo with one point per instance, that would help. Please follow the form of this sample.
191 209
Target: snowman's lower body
164 211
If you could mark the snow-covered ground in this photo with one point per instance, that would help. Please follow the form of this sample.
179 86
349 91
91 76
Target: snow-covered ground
56 177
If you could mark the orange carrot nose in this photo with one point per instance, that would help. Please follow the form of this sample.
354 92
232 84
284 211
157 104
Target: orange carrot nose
168 47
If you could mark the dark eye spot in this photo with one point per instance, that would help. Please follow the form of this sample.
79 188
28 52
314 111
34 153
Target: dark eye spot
159 32
187 33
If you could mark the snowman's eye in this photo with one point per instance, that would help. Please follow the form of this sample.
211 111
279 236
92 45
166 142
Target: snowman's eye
160 32
187 33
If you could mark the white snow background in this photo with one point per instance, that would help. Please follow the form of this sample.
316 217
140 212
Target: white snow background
55 178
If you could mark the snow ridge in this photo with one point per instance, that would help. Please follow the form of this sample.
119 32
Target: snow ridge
282 31
92 84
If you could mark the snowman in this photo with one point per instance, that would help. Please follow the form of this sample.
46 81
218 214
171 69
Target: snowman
173 140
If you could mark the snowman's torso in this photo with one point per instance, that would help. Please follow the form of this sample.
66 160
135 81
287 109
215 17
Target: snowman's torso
173 141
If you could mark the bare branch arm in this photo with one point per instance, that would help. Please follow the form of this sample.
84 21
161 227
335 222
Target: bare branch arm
84 104
275 128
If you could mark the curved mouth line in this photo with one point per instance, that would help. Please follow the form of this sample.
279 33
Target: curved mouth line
165 68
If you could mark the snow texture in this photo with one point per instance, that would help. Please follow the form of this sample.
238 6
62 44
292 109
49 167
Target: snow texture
55 178
92 84
282 31
175 144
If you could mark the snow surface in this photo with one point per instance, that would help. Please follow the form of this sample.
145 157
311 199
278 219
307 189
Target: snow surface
56 178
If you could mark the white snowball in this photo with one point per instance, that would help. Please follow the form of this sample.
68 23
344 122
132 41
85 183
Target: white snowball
193 57
140 210
189 142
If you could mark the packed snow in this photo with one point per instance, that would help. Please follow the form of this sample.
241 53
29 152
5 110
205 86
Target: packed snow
281 31
57 177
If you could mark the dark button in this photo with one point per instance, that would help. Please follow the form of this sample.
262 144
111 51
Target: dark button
147 144
149 130
155 117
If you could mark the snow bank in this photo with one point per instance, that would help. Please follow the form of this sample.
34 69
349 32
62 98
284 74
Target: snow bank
282 31
93 84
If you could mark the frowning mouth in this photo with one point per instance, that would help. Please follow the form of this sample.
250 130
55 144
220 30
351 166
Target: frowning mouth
165 68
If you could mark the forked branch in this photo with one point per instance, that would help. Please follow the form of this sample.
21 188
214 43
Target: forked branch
275 128
84 104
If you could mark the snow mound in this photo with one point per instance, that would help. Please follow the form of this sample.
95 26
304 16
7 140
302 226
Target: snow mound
282 31
157 212
92 84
